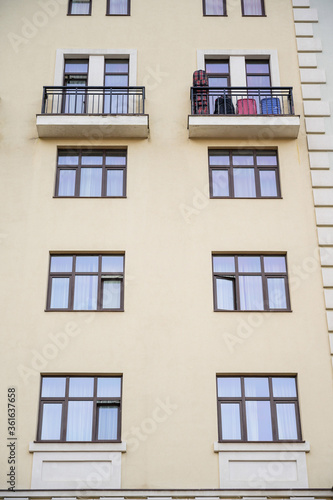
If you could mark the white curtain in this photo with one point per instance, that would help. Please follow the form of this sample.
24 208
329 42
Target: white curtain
108 387
91 182
276 293
112 264
252 7
258 421
251 294
111 294
114 185
224 264
53 387
79 421
267 183
81 387
214 8
228 387
59 293
51 426
80 7
276 264
220 182
61 264
66 183
85 293
118 6
225 294
107 422
256 387
244 184
230 419
284 387
286 418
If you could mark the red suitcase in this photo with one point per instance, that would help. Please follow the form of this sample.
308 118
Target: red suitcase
246 107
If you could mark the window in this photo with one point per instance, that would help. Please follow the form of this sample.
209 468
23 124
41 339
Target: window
214 8
253 8
91 173
116 75
218 77
79 7
258 408
257 73
118 7
76 76
243 174
80 408
250 283
86 282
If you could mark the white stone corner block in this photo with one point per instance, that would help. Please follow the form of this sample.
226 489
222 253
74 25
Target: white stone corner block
325 235
322 178
319 160
304 29
301 3
326 259
309 45
316 108
312 75
331 342
329 315
307 61
324 215
327 275
322 142
311 91
305 15
329 304
315 125
323 197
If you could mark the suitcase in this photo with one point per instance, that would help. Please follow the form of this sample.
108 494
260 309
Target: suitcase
200 97
224 106
246 107
270 106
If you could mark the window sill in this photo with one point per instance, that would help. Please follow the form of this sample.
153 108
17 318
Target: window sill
87 446
267 446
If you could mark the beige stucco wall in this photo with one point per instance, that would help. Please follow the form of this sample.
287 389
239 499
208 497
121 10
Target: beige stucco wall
168 344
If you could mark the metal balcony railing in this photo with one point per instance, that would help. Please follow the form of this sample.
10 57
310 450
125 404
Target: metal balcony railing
242 101
93 100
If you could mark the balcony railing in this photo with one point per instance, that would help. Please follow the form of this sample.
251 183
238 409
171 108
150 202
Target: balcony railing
93 100
263 101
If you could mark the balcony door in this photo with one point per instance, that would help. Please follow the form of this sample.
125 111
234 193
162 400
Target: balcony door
75 81
218 77
258 77
116 97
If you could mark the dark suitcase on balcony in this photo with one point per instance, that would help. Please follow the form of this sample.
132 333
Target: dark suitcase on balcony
200 98
224 106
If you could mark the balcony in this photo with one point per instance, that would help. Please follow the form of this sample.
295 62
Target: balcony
243 113
93 112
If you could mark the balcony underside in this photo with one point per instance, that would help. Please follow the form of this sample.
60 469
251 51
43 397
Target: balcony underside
243 127
92 126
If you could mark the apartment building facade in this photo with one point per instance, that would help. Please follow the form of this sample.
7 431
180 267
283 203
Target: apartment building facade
166 277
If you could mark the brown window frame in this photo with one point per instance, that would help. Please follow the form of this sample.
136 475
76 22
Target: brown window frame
257 168
119 276
97 402
258 61
264 276
69 13
224 3
105 168
263 13
128 9
274 400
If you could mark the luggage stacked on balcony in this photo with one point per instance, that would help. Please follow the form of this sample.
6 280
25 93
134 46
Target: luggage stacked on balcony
246 107
270 106
224 106
200 95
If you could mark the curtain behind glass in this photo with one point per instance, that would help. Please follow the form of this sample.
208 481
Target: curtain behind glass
79 421
214 8
244 184
85 294
111 294
286 417
80 7
51 425
107 422
115 183
91 182
59 293
66 183
251 294
276 293
252 8
220 182
267 183
117 6
230 419
258 421
225 294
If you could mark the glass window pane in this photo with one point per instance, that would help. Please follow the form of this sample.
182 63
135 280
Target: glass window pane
115 159
251 294
89 159
221 159
66 183
68 159
113 264
116 81
111 294
244 183
257 67
76 66
249 264
86 264
245 158
256 387
53 387
286 417
268 183
116 66
79 421
115 183
214 8
107 422
265 159
258 81
275 264
91 182
277 293
59 293
85 293
220 182
230 420
225 294
284 387
61 264
223 264
81 387
117 7
252 8
108 387
229 387
258 421
51 425
80 7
